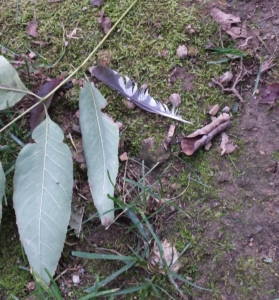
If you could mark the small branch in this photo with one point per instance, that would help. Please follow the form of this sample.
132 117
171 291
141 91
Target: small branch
233 88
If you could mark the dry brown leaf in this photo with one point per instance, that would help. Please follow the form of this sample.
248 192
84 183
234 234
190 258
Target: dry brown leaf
270 94
226 145
32 28
167 140
124 156
104 22
186 78
206 129
170 256
73 34
97 3
229 23
203 136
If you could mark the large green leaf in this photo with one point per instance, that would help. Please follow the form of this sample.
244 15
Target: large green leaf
100 139
2 188
43 184
10 80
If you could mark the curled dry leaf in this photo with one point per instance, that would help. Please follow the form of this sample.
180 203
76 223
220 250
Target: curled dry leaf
37 114
186 78
167 140
270 94
226 145
229 23
73 34
32 28
202 136
104 22
155 261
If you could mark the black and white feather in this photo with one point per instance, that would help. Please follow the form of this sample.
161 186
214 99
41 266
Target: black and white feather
141 98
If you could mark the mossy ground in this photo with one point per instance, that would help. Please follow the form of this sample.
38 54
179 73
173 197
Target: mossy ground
135 49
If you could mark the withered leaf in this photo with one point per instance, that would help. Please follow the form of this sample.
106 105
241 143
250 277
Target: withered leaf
270 94
229 23
104 22
186 78
226 145
32 28
201 137
37 114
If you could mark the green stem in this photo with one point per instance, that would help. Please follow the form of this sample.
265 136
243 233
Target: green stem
76 70
19 91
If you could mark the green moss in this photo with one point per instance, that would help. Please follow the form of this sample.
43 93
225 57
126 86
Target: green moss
13 280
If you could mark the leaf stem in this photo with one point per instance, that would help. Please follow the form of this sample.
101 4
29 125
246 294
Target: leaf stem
19 90
76 70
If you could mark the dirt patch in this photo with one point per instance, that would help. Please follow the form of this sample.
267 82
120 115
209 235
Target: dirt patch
248 185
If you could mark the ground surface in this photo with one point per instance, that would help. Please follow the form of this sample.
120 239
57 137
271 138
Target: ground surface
230 204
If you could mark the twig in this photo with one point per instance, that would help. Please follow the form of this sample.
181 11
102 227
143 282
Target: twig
237 80
260 39
245 44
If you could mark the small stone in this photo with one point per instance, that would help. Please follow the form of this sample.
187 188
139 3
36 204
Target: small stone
275 22
84 8
215 204
76 128
175 99
119 125
226 77
123 156
182 51
226 109
76 279
258 229
214 110
235 108
129 104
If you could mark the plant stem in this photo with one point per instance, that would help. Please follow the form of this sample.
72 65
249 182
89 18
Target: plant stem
76 70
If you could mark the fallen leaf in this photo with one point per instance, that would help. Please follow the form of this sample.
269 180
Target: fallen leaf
37 114
32 55
201 137
170 258
104 22
167 140
225 139
268 64
226 145
75 221
187 78
222 18
32 28
73 34
124 156
229 23
97 3
270 94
